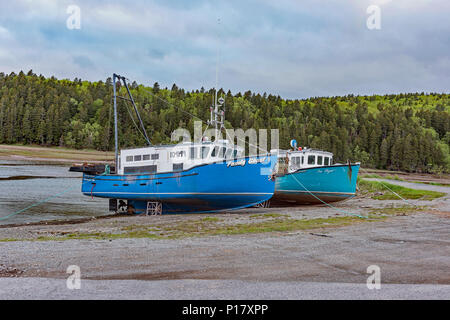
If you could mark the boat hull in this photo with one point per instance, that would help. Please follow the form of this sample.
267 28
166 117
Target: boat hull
317 185
211 187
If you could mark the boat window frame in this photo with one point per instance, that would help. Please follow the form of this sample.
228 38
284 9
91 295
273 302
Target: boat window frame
222 152
193 153
215 151
314 159
179 165
319 160
203 154
140 169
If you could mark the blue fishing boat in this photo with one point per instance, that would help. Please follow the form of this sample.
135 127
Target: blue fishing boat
222 185
309 176
198 177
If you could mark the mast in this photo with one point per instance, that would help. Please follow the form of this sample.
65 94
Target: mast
218 103
116 135
216 107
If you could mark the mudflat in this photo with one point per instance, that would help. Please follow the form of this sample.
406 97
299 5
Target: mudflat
260 250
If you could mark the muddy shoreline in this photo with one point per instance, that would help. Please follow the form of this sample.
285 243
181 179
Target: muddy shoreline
408 241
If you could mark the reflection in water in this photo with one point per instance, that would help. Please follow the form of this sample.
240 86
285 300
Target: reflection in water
26 183
26 177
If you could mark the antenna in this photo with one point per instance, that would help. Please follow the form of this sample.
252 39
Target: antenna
215 112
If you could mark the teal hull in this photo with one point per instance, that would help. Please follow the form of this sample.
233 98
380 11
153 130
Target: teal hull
317 185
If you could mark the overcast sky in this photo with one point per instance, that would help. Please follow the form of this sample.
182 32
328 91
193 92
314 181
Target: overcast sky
296 49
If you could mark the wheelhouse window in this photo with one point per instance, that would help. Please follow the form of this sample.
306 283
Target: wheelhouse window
205 151
138 158
146 157
311 159
155 156
235 154
228 154
215 152
319 160
129 158
222 152
177 167
193 153
303 159
142 169
327 161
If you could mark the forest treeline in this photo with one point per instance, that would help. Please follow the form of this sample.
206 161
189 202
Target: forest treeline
408 132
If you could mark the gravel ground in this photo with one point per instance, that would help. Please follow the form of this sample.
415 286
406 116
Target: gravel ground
43 288
412 251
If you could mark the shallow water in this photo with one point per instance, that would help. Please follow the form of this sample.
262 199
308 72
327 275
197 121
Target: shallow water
26 183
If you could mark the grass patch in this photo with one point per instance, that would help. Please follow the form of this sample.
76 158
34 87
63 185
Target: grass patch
213 226
432 183
212 219
55 153
371 175
274 215
395 211
269 215
206 227
397 178
381 191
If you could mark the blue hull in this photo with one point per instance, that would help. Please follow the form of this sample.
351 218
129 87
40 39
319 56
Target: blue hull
314 185
206 188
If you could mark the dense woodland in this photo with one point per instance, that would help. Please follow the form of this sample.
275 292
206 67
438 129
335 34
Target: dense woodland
409 132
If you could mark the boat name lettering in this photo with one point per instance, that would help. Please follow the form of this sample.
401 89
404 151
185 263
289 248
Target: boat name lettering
237 163
256 160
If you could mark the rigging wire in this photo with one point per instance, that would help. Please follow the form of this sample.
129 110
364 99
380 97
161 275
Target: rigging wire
395 193
329 205
134 122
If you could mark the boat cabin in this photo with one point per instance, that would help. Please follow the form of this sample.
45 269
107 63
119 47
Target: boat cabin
179 157
302 158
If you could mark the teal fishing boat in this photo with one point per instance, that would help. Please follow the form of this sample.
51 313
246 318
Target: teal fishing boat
309 176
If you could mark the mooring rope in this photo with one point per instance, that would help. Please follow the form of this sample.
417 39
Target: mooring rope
395 193
329 205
